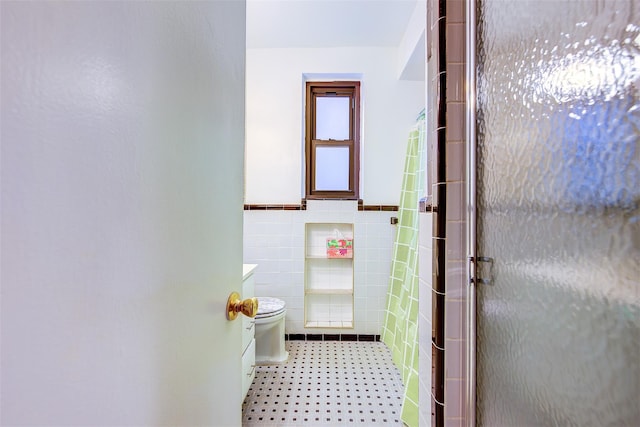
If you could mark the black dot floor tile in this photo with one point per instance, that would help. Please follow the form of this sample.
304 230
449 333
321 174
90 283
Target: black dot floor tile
327 383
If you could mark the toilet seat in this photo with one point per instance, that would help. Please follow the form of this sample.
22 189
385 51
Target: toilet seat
269 307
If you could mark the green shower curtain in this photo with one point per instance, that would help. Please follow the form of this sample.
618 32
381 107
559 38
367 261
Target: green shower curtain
400 329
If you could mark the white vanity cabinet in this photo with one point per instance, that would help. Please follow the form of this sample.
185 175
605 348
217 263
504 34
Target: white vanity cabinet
248 332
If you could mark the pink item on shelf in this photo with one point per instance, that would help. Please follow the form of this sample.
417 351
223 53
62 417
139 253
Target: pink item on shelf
339 248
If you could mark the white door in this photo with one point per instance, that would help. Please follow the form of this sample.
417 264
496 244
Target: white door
122 170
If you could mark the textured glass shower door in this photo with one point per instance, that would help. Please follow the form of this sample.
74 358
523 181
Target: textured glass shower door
558 325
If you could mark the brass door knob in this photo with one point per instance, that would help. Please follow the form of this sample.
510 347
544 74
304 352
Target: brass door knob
248 307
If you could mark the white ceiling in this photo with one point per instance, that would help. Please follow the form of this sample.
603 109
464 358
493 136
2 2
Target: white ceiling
326 23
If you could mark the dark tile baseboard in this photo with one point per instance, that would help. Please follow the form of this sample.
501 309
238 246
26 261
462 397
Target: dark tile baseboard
303 207
332 337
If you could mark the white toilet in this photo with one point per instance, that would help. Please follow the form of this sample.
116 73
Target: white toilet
270 348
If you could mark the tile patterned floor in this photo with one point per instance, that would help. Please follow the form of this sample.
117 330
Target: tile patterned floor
327 383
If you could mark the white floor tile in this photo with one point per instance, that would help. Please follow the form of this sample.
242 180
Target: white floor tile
327 383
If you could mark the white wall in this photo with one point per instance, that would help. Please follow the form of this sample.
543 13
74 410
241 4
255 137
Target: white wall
275 241
275 119
274 171
412 47
122 123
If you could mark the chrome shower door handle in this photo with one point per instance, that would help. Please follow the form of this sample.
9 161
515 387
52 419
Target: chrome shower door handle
485 280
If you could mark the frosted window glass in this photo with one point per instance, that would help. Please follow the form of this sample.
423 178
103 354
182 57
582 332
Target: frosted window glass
332 168
332 118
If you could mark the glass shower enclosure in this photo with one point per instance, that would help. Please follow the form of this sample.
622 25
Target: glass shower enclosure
558 213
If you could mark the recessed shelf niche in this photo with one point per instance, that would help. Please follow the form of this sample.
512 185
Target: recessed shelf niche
328 281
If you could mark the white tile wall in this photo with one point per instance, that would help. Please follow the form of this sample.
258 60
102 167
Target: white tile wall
337 274
275 241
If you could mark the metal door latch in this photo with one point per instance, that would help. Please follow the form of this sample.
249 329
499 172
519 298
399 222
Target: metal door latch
485 280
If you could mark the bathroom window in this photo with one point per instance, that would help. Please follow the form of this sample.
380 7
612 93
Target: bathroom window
332 140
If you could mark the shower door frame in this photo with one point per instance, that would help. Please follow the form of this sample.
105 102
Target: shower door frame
470 187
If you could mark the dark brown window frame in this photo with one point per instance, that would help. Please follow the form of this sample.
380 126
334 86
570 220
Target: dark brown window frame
335 88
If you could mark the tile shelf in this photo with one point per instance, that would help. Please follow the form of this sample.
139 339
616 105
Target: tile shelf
329 291
328 301
329 324
324 257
